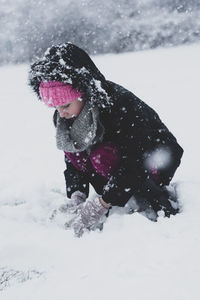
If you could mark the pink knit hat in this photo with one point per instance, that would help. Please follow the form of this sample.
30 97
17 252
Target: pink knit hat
55 93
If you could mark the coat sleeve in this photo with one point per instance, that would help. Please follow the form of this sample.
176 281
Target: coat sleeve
137 128
75 180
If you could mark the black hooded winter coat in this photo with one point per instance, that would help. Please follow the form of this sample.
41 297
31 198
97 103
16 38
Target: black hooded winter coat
128 122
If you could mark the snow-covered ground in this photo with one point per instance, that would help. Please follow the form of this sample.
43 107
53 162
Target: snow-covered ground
133 258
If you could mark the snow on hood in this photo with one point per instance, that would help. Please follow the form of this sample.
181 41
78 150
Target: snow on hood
68 63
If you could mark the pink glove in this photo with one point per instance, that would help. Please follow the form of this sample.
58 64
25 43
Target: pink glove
74 204
89 217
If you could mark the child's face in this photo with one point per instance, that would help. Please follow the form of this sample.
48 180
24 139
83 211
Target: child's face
71 109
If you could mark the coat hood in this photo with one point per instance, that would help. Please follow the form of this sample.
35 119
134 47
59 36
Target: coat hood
68 63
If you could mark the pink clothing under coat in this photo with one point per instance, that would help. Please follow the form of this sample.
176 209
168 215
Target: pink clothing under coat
104 159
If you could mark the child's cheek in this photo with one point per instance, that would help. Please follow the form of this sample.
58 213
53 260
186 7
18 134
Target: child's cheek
76 111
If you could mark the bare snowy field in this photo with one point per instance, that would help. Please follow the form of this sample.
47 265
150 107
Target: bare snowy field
133 258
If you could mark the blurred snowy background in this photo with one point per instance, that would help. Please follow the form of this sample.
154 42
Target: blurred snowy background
28 27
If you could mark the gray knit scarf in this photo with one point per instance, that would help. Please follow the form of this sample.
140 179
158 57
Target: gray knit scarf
85 131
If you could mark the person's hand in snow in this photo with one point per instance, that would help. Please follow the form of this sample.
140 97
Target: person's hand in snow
90 216
74 204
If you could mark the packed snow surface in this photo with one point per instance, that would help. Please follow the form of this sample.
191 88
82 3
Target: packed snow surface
132 258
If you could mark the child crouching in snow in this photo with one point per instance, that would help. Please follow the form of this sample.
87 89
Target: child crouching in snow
110 138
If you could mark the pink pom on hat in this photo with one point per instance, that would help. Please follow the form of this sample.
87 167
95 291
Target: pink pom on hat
55 93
